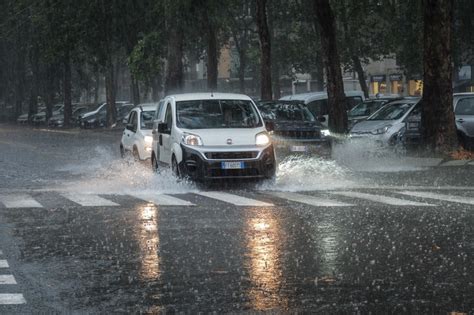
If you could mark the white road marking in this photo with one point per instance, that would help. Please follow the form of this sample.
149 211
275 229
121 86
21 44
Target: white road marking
9 298
379 198
19 201
234 199
3 264
89 200
309 200
7 279
162 200
431 195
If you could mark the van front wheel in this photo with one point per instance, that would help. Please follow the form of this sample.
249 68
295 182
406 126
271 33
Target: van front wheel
175 167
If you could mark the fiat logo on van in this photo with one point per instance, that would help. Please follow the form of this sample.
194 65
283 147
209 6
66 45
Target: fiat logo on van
229 141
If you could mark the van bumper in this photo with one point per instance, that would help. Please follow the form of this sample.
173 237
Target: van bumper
195 166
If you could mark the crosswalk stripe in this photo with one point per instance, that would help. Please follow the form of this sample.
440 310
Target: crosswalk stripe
7 279
379 198
431 195
309 200
162 200
11 298
234 199
88 200
3 264
19 201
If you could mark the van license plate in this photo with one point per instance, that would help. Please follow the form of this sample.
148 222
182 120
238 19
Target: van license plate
298 148
232 165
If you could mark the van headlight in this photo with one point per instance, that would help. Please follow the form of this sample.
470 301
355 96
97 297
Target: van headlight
262 139
380 130
190 139
148 139
325 133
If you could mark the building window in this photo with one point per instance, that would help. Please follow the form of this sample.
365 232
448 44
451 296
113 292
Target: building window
415 87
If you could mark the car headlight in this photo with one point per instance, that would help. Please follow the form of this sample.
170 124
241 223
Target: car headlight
325 133
262 139
190 139
148 139
380 130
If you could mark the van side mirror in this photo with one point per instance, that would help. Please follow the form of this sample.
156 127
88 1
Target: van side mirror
269 125
322 119
163 128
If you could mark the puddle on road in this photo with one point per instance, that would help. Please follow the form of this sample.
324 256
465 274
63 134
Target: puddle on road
103 171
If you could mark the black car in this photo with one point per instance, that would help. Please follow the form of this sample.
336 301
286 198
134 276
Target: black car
296 129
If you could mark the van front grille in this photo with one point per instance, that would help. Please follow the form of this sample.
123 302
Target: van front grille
231 155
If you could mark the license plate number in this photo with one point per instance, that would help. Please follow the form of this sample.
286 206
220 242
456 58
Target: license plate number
232 165
298 148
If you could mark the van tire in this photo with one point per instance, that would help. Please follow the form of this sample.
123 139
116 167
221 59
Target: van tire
154 163
175 167
135 154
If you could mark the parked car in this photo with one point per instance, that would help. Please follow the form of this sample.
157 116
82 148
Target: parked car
385 125
40 117
464 114
96 117
366 108
295 129
22 119
137 136
207 136
58 119
317 102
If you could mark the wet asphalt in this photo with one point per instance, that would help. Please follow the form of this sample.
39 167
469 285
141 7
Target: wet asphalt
217 257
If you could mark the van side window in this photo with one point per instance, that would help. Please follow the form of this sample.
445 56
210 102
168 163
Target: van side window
168 116
135 121
130 117
158 110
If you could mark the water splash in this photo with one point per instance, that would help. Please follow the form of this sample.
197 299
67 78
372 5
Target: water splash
105 172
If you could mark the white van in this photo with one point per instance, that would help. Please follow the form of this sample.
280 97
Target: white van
205 136
317 102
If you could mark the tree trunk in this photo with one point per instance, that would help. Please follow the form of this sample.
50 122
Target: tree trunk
156 88
67 90
97 87
212 57
242 65
361 75
174 81
335 87
34 92
50 90
276 81
439 128
110 95
135 90
265 51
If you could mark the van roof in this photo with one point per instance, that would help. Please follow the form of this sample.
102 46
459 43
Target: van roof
209 96
313 96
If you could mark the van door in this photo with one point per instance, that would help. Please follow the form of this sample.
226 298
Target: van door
165 143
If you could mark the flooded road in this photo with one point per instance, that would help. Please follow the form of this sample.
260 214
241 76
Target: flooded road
88 233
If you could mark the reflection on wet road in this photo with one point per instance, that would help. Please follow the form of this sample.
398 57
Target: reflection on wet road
264 239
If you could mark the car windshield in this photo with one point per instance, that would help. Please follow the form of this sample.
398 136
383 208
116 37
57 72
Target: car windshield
285 112
212 114
392 111
146 116
364 108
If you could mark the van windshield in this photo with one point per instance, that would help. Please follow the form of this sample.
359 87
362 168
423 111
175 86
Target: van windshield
214 114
